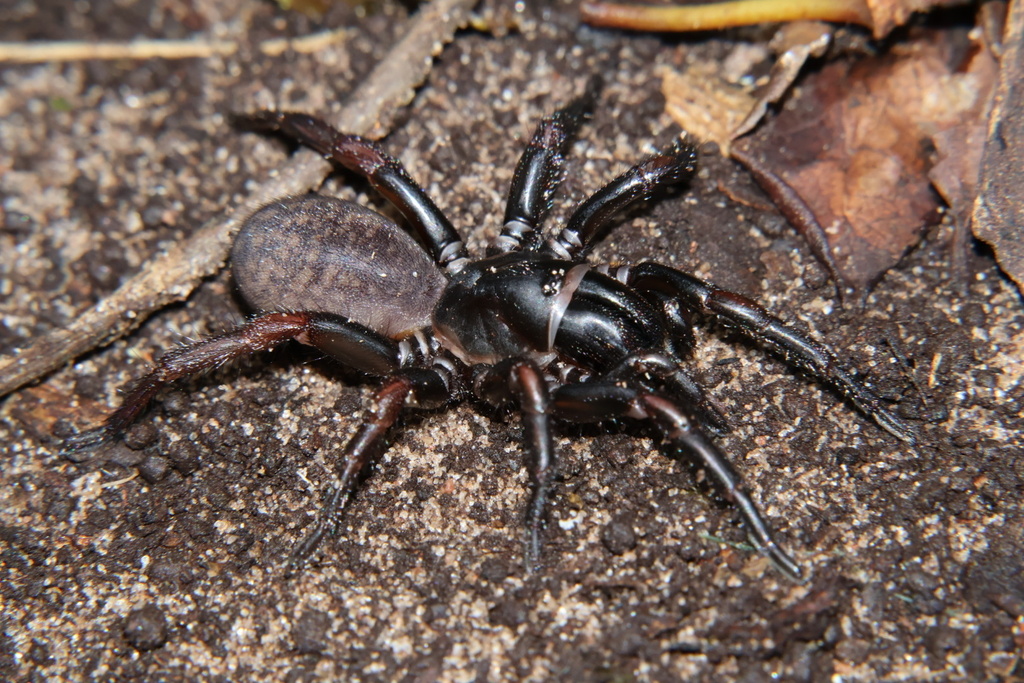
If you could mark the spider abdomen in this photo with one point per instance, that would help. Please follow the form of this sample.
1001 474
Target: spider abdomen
317 253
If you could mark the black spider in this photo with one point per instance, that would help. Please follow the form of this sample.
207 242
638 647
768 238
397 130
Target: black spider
533 323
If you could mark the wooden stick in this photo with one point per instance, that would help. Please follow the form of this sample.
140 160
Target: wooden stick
80 51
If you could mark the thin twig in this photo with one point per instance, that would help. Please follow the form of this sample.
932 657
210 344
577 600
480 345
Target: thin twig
795 210
80 51
173 274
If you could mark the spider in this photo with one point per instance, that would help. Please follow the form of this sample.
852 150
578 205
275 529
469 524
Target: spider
532 323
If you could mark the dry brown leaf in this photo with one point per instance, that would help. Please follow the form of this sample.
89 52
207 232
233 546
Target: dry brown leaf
999 208
794 43
958 150
888 14
854 144
704 104
709 104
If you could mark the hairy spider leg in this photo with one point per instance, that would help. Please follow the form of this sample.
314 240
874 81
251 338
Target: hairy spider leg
669 167
755 322
388 402
599 400
385 173
520 380
540 171
349 342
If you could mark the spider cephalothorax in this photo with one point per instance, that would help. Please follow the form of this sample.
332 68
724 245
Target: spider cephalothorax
532 324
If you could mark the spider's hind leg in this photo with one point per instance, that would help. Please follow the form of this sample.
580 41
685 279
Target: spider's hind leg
385 173
348 341
388 402
423 388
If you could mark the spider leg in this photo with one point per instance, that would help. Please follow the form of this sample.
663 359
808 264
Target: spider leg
425 388
521 380
347 341
385 173
753 320
671 166
601 400
681 339
540 171
659 372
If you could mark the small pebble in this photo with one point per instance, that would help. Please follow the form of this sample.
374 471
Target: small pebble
146 627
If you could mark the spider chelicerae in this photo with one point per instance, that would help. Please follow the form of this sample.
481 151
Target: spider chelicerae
532 324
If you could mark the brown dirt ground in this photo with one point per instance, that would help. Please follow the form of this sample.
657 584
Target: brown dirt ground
159 558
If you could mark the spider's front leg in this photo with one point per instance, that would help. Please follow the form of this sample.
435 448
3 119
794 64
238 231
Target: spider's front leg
520 380
671 166
539 172
601 399
753 320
